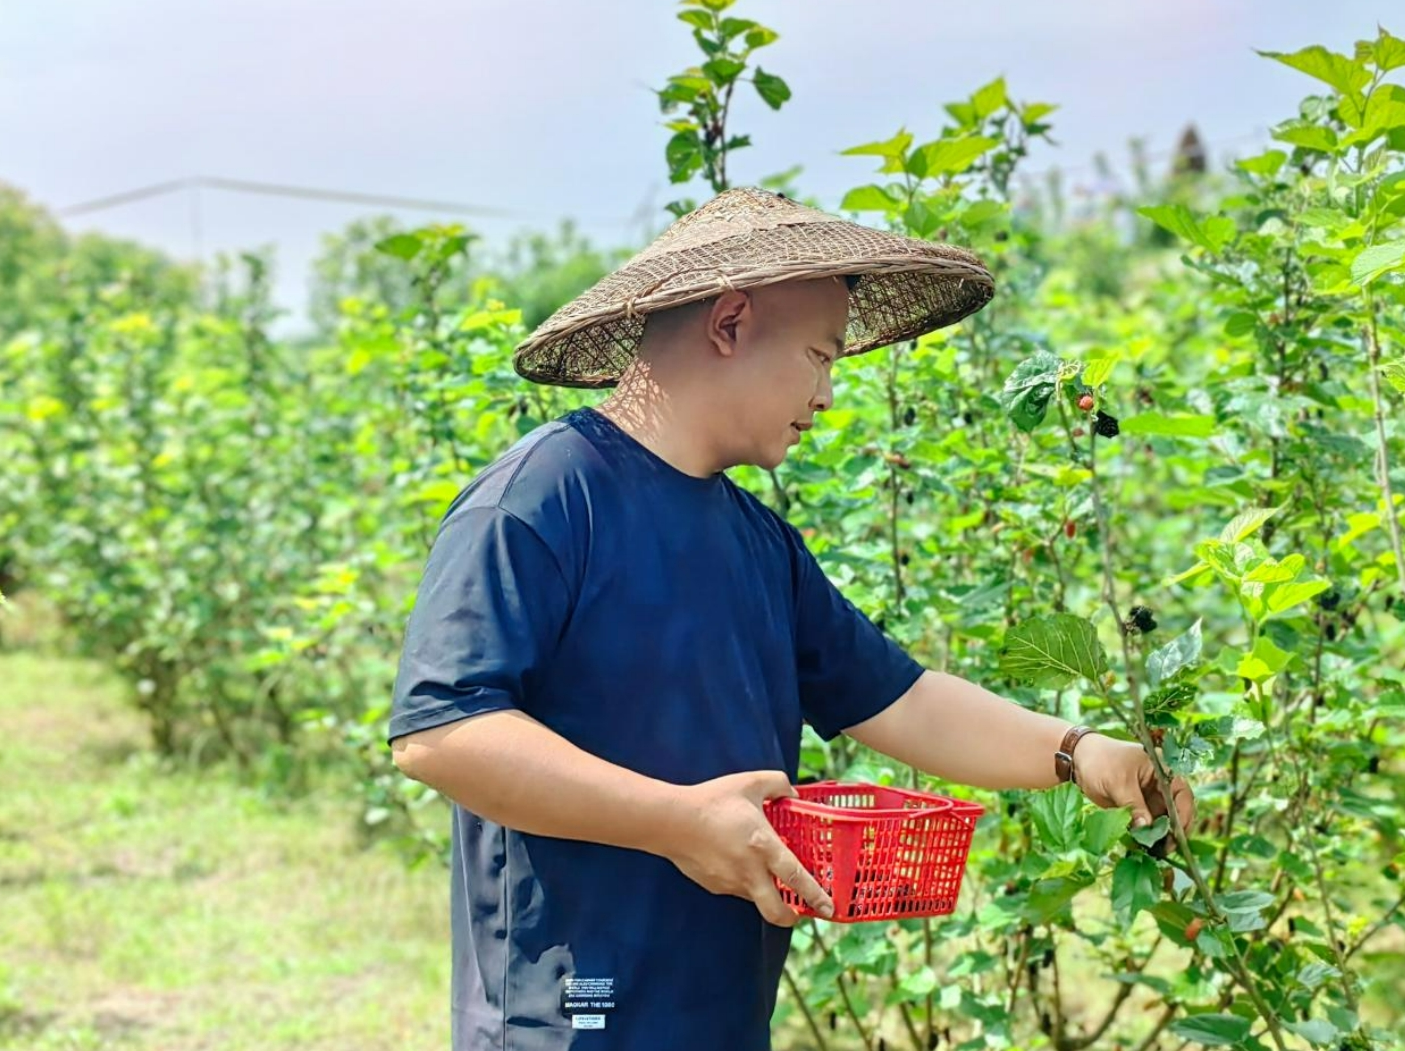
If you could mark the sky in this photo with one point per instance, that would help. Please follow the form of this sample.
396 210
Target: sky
536 110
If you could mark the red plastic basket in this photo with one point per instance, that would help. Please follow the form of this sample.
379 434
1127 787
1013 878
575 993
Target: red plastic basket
880 853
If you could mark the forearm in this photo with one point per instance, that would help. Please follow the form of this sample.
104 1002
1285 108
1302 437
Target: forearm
512 770
958 731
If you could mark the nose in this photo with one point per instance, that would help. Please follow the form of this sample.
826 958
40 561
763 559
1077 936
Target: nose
824 393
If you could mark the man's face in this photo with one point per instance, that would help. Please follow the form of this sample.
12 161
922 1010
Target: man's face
784 361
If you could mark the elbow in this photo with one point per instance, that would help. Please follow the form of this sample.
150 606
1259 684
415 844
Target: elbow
407 755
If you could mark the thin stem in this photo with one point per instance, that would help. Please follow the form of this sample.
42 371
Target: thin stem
1237 964
1229 820
799 998
1156 1030
844 992
1376 927
1373 359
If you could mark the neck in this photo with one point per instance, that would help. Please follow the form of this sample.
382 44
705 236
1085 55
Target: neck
665 424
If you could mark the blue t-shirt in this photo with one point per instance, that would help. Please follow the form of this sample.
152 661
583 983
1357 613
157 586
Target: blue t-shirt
666 623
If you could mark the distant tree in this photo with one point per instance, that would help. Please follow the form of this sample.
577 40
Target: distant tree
1190 156
349 266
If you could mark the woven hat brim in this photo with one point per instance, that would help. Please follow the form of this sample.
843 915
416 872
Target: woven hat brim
906 288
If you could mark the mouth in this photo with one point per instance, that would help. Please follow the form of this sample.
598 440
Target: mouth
801 428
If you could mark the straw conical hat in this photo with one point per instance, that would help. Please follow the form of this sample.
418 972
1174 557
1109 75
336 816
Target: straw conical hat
744 238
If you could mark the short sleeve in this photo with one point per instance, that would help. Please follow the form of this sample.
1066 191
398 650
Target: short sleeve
490 608
848 670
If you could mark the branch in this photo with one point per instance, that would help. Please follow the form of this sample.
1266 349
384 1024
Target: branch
844 992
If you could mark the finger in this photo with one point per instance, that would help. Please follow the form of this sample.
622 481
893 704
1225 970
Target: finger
771 784
1141 810
772 906
786 867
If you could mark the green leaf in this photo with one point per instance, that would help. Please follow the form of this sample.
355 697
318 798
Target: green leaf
1212 1030
1317 1031
1384 112
1246 524
1027 391
1240 323
1055 815
1394 372
1150 835
1212 234
920 220
1181 652
893 149
1184 426
1342 73
402 246
1102 828
950 156
989 98
1245 901
982 212
676 93
732 27
868 199
1372 262
1314 974
1172 917
761 37
1035 110
722 71
1306 134
1049 898
1266 661
684 155
438 492
1266 163
1053 651
774 91
1388 52
1096 372
1282 597
914 987
697 19
1136 885
964 113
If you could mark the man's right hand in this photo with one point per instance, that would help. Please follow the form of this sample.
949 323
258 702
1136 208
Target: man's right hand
724 843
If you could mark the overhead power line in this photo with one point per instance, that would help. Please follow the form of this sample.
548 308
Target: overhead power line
306 193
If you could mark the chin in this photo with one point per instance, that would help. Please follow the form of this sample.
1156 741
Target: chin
773 460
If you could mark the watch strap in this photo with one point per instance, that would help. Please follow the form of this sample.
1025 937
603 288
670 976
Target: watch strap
1063 758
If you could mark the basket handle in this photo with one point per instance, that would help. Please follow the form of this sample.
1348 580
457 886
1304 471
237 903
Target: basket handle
817 809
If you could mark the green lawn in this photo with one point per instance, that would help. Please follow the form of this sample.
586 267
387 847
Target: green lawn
141 908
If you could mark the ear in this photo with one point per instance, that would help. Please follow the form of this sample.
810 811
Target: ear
727 314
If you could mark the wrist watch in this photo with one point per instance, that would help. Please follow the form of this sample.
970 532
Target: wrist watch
1063 758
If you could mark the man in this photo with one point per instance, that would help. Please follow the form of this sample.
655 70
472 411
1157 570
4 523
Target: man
613 647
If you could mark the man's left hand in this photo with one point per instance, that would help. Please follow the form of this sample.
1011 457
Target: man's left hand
1115 773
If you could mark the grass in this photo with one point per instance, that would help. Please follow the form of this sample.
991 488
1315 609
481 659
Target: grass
148 908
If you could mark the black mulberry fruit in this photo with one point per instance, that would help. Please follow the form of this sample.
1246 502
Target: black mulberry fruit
1329 600
1141 619
1105 425
910 417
